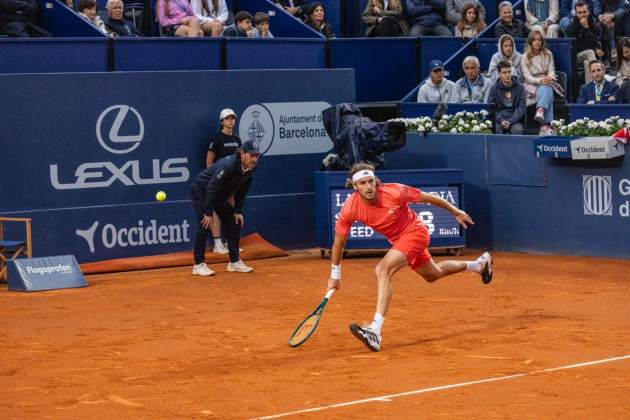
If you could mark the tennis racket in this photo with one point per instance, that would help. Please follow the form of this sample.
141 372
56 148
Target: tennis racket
308 326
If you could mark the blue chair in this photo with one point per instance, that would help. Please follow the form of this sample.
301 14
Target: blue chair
12 249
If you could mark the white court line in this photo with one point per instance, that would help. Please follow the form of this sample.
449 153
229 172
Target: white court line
439 388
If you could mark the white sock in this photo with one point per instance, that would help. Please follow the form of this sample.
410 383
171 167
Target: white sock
377 324
217 242
474 266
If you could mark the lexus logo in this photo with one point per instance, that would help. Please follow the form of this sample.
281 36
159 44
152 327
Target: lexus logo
597 195
113 141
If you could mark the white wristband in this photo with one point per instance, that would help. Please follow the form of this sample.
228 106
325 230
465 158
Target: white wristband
335 272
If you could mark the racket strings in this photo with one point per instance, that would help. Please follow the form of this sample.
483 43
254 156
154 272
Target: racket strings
304 330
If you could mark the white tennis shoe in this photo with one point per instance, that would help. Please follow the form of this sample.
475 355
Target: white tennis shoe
367 336
202 270
239 267
220 249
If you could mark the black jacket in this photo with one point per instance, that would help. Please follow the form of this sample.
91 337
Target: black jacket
585 38
121 27
15 15
516 30
301 5
222 180
512 114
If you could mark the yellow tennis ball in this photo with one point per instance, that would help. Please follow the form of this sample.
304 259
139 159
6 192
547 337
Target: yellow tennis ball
160 196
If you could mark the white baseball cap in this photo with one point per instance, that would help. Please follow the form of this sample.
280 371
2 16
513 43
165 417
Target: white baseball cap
226 113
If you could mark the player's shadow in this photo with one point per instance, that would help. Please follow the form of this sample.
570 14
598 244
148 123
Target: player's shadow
442 337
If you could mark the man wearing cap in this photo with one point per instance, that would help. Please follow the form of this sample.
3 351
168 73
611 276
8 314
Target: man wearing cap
211 192
436 89
223 144
385 208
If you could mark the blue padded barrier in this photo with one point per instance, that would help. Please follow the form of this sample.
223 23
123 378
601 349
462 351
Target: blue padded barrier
598 112
437 48
414 109
276 53
149 54
281 24
59 55
62 21
384 67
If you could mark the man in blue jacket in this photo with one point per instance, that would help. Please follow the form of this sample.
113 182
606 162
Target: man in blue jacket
600 90
509 97
211 192
427 17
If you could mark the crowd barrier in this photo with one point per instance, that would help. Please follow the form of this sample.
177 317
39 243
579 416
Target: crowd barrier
84 154
247 53
598 112
163 54
62 21
384 67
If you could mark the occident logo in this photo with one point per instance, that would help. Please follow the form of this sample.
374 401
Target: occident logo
140 234
118 143
132 172
597 194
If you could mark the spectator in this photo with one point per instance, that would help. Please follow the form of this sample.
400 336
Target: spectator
539 73
600 90
261 23
385 20
542 15
587 33
242 26
436 89
615 21
506 52
116 23
177 18
225 143
567 11
87 10
317 20
470 25
427 17
295 8
212 15
509 25
18 19
454 9
508 96
473 87
623 70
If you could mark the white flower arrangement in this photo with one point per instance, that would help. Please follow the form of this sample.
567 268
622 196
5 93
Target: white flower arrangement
586 127
461 122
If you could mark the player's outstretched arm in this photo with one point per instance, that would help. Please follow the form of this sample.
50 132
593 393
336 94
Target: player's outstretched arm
335 258
460 215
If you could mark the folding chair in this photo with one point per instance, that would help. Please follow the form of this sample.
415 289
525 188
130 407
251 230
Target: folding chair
12 249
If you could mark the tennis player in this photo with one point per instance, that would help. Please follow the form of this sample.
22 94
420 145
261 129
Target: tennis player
385 208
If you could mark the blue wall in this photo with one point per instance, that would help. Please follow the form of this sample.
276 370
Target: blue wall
57 130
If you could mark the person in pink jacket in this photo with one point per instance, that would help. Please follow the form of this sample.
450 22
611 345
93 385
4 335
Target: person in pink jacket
177 18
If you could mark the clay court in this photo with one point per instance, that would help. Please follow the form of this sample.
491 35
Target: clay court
163 344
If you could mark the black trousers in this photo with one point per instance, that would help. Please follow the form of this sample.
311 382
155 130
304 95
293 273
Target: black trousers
232 230
387 28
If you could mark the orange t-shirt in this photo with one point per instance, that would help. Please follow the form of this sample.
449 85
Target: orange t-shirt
390 215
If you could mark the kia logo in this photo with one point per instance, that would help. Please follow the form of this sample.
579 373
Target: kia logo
115 142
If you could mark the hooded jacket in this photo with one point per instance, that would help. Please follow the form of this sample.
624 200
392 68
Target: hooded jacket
430 93
500 94
514 59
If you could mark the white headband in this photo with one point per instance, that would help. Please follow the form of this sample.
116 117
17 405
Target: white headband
362 174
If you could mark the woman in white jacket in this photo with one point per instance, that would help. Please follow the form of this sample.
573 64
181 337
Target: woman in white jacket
506 52
212 15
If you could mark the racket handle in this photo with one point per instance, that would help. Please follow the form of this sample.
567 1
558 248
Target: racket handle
330 293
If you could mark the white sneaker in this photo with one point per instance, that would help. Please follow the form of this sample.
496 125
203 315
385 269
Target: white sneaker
486 262
202 270
367 336
239 267
220 249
